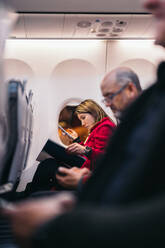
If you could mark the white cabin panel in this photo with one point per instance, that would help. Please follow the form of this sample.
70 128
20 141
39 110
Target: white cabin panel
140 55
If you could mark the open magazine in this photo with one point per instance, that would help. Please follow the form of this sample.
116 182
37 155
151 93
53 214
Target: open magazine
59 153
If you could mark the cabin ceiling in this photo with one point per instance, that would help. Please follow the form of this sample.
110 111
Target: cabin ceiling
79 6
81 19
83 26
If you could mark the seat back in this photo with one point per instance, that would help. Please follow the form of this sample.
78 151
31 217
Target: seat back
7 19
20 117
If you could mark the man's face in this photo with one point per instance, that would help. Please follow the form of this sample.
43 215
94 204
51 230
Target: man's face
119 101
157 8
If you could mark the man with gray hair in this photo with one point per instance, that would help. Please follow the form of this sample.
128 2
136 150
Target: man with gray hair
120 87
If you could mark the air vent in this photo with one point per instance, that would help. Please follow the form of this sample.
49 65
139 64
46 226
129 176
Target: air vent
84 24
100 35
121 23
117 30
114 35
107 24
104 30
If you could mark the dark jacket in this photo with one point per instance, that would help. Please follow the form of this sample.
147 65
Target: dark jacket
123 203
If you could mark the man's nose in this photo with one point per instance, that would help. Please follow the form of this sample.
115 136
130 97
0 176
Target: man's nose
108 104
82 123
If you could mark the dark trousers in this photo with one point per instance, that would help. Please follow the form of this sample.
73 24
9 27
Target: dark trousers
45 177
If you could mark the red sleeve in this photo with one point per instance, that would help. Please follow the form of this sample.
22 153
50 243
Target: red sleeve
102 137
100 140
85 178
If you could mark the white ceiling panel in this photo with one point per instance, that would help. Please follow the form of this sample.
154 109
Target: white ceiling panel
69 28
19 29
150 31
84 26
140 26
88 6
47 25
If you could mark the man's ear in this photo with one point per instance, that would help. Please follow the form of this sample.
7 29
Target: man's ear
132 88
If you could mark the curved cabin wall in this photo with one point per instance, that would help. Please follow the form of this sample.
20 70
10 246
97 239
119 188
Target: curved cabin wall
15 68
148 75
141 55
71 79
64 71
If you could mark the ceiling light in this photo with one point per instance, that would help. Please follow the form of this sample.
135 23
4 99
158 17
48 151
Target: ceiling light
107 24
114 35
84 24
104 30
117 30
93 30
101 35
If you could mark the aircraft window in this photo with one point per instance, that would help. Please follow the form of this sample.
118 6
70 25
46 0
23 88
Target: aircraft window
68 120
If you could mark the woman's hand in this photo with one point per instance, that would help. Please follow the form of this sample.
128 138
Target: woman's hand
71 177
76 148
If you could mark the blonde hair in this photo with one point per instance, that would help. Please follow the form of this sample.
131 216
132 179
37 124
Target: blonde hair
91 107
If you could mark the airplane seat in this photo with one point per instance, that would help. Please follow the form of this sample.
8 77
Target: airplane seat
15 129
7 129
20 119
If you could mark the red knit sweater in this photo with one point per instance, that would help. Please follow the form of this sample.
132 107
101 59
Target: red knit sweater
97 140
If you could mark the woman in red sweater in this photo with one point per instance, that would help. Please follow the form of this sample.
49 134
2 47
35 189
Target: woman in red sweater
100 128
51 176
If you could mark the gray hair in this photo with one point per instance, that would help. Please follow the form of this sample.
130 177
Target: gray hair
124 77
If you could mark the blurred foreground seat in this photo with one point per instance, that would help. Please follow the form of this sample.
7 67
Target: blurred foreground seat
20 118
